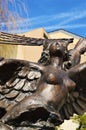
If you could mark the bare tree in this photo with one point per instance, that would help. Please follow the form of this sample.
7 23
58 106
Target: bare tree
10 15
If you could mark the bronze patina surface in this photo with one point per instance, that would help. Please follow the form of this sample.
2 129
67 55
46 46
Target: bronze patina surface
41 95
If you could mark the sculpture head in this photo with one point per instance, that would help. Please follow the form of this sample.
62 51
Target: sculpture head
62 43
56 50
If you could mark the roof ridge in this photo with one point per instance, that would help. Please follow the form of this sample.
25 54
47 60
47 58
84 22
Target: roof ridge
67 32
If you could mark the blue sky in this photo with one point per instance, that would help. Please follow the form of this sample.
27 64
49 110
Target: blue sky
52 15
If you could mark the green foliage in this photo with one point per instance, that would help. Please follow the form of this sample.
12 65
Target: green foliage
57 128
81 120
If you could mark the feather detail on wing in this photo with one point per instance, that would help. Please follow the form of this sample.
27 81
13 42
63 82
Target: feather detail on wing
76 99
17 80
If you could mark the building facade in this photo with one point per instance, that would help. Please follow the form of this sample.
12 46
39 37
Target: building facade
33 53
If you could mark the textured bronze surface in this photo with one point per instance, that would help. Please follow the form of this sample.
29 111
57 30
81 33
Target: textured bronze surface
41 95
74 55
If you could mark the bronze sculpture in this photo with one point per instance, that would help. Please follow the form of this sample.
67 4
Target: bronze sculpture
74 55
43 95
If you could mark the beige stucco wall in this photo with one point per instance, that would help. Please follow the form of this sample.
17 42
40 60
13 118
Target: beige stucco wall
8 51
31 53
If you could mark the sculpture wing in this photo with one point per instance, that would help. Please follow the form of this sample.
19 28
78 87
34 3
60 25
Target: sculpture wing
76 100
17 80
74 55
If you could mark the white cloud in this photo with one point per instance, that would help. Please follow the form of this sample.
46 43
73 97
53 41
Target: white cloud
63 19
49 18
76 16
54 27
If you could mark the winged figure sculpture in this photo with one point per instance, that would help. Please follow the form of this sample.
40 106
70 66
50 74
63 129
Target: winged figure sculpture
41 95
